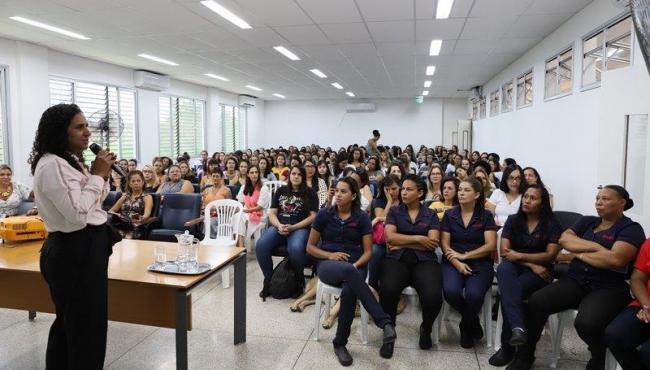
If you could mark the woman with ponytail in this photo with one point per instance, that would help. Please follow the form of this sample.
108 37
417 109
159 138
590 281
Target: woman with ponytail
605 247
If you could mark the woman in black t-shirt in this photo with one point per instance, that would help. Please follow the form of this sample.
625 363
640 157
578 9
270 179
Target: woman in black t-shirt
293 209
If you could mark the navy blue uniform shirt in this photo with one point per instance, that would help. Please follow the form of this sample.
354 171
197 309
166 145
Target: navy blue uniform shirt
464 239
536 242
342 235
624 230
426 220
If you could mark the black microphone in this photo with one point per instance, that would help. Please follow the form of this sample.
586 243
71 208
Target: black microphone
95 148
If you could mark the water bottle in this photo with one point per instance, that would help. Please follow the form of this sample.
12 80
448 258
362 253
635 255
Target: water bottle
184 240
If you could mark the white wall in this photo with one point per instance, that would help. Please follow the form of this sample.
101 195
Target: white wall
29 67
576 142
325 122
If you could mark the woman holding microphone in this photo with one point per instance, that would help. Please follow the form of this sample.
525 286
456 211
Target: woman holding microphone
74 258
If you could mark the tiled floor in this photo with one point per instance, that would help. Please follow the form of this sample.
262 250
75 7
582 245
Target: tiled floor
276 339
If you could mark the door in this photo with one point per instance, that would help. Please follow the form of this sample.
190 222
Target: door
465 130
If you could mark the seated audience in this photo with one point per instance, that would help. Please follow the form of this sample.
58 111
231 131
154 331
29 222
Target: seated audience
133 208
12 193
256 200
293 209
628 336
468 239
206 179
434 183
159 170
345 236
506 199
186 172
396 169
325 173
280 170
218 190
133 165
315 183
174 184
531 176
265 170
529 245
412 236
356 158
449 197
605 247
387 197
375 174
150 180
481 175
230 174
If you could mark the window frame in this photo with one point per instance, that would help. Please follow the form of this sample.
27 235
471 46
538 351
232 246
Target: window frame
5 111
512 95
482 113
136 121
496 94
530 72
571 47
603 28
202 124
242 114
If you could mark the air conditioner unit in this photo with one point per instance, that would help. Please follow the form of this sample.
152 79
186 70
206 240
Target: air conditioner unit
150 81
247 101
361 107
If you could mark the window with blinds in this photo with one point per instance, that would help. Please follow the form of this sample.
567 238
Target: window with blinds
181 126
4 158
96 101
233 125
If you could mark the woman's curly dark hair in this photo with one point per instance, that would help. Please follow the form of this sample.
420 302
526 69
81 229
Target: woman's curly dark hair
52 135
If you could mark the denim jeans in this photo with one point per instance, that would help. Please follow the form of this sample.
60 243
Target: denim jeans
296 243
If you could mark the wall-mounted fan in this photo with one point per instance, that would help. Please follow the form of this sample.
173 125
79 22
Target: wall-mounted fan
106 127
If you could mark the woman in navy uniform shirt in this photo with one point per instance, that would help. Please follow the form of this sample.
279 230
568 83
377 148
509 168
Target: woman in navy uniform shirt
605 246
529 245
412 236
468 239
345 233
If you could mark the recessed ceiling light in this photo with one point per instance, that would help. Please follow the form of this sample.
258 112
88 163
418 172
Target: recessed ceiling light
425 92
444 9
434 49
50 28
280 96
230 16
350 93
318 73
427 83
430 70
337 85
253 87
286 52
216 77
157 59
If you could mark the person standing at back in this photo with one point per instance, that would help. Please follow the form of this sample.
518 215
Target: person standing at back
74 258
371 147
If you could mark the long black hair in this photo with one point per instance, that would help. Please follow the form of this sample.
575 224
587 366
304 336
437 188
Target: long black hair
354 188
478 187
249 187
328 175
506 174
52 135
520 219
539 178
302 190
387 181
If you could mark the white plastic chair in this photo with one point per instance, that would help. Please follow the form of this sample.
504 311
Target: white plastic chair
557 323
227 232
274 185
437 325
323 288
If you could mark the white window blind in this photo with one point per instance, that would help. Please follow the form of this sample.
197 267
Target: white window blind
181 126
3 117
233 125
97 100
506 97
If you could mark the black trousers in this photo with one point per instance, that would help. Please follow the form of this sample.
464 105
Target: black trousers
424 276
629 340
75 267
597 307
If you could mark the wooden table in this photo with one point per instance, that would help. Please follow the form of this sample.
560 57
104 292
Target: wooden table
135 295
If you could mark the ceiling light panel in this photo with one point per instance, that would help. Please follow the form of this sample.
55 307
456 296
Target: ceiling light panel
157 59
227 14
217 77
434 49
350 94
286 52
427 83
425 92
50 28
337 85
254 88
279 96
430 70
444 9
318 73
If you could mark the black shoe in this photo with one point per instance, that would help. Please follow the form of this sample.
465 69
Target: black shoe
265 291
518 337
594 364
521 363
386 350
425 339
344 357
466 339
502 357
389 334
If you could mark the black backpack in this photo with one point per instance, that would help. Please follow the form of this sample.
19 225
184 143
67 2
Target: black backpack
285 281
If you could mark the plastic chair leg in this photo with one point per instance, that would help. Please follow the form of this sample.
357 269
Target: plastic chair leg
225 278
319 301
364 325
498 330
487 317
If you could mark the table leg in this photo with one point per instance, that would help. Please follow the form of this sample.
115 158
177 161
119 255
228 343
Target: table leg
240 299
181 330
31 315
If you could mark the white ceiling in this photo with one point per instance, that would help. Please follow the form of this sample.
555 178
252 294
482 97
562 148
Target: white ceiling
375 48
